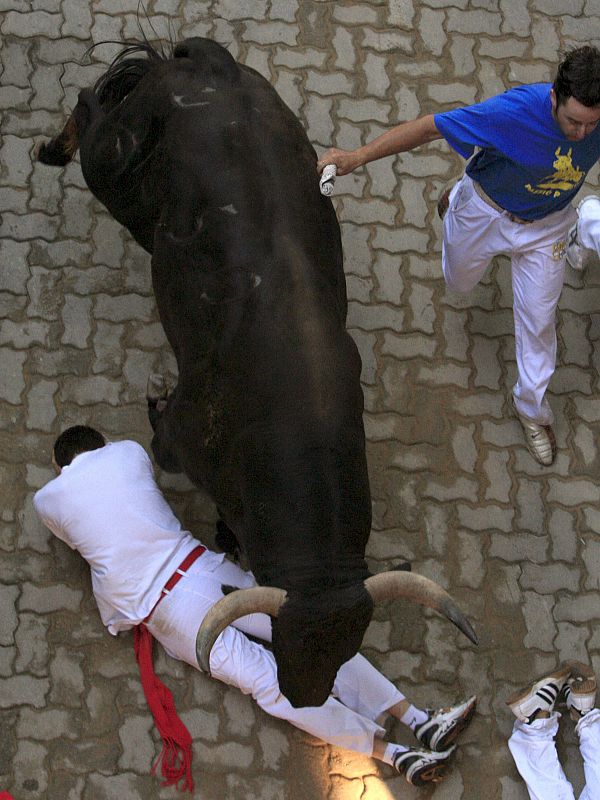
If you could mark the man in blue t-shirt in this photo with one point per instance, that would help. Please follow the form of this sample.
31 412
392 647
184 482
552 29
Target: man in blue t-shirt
530 150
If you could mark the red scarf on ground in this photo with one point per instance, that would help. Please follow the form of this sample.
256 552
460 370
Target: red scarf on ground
175 758
6 796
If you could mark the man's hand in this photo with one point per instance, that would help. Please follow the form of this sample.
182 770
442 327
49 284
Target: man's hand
345 160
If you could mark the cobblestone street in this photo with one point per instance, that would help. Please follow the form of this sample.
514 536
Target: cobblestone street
454 489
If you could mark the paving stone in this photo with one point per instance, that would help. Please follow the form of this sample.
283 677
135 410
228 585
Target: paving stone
30 772
572 640
32 645
45 725
125 786
19 690
43 600
550 578
67 677
8 614
11 368
138 747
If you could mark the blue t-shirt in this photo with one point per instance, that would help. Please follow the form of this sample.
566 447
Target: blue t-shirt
526 164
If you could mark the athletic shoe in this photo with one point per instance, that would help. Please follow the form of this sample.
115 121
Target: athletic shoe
539 439
574 253
421 767
443 726
580 690
527 703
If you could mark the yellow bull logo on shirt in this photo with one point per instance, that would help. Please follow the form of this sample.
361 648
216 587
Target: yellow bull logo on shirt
566 177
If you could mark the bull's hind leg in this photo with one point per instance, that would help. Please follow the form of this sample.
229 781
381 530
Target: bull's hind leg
157 397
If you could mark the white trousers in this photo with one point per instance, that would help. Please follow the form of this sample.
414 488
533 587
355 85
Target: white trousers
534 751
588 225
360 692
474 233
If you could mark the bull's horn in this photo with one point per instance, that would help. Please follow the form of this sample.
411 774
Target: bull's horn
392 585
265 599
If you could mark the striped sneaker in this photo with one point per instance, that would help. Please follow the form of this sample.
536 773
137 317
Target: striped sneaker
541 695
444 725
421 767
580 690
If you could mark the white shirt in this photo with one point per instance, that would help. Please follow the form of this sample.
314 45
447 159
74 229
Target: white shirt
106 504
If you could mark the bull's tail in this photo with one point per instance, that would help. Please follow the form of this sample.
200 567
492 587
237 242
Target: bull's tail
60 150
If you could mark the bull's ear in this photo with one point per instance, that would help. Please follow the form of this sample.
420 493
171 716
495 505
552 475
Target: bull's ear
228 589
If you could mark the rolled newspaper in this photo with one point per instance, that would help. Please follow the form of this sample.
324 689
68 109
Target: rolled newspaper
328 179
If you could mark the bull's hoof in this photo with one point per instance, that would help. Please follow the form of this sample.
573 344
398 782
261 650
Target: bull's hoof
157 392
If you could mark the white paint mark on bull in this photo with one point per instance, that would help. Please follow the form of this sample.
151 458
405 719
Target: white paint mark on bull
256 280
230 209
181 101
209 89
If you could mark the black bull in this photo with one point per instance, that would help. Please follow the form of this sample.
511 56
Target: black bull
214 176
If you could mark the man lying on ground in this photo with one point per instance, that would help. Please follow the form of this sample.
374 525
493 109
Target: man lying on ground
151 575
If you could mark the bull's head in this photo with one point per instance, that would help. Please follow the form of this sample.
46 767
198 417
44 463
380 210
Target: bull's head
308 630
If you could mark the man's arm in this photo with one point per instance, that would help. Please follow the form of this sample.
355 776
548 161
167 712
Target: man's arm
400 138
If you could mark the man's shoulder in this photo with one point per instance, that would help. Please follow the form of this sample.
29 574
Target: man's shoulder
128 446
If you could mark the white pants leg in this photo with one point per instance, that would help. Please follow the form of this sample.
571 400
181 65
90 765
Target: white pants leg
534 751
360 692
474 233
588 226
537 279
588 730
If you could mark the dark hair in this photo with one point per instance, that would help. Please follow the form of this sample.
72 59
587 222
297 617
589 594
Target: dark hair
75 440
578 76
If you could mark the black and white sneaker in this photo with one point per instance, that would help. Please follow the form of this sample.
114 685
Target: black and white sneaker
421 767
541 695
579 692
445 724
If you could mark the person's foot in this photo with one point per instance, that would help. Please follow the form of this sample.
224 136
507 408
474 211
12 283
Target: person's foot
540 439
421 767
580 690
528 703
445 724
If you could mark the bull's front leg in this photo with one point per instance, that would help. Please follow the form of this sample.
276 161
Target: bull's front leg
59 151
157 397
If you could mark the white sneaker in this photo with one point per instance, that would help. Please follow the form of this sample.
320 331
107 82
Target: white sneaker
540 439
540 696
580 690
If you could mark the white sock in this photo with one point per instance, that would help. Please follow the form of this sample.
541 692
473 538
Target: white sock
413 717
391 751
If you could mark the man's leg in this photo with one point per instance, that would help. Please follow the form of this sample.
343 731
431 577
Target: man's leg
588 730
537 283
584 236
532 740
471 238
580 699
534 751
